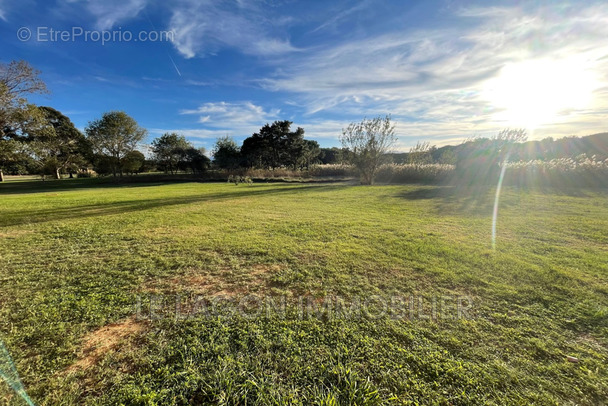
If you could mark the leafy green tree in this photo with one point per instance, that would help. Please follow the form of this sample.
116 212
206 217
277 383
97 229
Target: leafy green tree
14 157
311 153
292 149
368 143
332 155
194 160
256 151
115 134
226 153
59 146
169 151
274 146
103 164
133 162
17 117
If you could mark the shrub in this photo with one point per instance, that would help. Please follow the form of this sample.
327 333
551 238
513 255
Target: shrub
239 179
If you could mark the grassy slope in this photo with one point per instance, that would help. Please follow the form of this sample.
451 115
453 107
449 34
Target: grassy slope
72 261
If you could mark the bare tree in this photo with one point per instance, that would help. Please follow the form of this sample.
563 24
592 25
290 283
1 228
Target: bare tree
368 143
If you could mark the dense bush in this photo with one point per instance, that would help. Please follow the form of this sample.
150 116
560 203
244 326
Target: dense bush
335 170
388 173
317 171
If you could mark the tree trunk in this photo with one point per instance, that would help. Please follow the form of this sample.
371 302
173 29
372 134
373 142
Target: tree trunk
1 176
57 175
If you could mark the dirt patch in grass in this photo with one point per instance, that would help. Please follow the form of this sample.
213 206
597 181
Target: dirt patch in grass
176 284
14 233
223 282
592 342
103 340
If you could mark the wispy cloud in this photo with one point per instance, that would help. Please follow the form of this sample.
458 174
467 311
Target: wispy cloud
235 118
343 15
108 13
434 79
204 27
204 136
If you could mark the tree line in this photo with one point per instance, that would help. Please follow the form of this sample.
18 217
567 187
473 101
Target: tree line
42 140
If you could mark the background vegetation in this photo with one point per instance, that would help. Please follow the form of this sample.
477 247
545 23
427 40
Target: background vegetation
43 141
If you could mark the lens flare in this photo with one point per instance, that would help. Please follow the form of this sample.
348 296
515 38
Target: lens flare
8 372
497 199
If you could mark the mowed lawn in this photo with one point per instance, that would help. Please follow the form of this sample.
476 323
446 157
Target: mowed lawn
76 255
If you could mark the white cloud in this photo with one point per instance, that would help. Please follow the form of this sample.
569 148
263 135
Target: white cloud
335 20
434 79
203 27
108 13
239 119
4 7
199 134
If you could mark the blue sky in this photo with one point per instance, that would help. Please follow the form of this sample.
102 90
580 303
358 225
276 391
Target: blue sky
445 70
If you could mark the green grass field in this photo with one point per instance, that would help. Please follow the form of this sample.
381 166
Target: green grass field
76 255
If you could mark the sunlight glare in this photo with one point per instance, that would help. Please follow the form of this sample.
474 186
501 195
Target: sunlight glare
532 93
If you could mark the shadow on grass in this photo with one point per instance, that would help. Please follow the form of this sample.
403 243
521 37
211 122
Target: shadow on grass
471 201
63 185
19 217
479 200
12 187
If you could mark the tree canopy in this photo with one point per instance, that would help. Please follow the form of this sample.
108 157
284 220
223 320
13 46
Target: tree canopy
169 150
173 152
114 135
275 145
226 153
18 80
59 146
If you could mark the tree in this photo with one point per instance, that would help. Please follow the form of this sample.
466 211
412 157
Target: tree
59 146
169 151
133 162
274 146
14 157
195 160
332 155
114 135
311 153
103 164
368 143
292 148
226 153
256 151
17 117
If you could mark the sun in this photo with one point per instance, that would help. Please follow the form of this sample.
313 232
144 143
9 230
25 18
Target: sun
538 92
